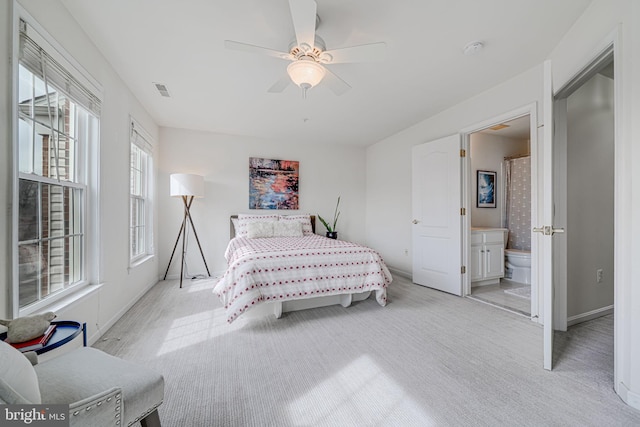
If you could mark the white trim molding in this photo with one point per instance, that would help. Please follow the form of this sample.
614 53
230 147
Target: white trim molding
630 398
589 315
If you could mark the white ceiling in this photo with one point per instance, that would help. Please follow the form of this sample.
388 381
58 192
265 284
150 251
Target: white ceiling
180 43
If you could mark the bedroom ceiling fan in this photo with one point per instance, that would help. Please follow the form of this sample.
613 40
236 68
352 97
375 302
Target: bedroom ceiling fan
308 54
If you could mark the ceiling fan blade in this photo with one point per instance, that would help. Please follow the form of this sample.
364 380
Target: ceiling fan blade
362 53
303 14
282 83
244 47
335 83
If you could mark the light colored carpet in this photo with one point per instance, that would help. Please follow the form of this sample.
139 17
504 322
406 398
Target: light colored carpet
495 295
523 292
426 359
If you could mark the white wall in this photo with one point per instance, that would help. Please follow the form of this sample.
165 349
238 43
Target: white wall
223 160
388 217
120 287
487 152
590 231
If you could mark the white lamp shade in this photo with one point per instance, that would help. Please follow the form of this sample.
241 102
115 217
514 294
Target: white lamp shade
184 184
306 73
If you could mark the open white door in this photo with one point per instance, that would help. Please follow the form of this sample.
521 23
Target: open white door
436 199
547 230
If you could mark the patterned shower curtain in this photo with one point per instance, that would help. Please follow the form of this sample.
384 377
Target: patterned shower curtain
517 204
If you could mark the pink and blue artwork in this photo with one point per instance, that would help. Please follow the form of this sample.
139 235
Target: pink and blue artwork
273 184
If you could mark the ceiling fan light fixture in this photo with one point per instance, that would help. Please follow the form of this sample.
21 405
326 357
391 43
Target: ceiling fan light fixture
306 73
308 53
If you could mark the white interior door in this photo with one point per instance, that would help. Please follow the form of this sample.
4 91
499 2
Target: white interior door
560 247
437 200
546 230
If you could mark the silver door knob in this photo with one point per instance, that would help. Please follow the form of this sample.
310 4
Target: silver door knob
415 221
548 230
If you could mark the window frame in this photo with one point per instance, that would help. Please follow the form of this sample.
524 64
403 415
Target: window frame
143 141
88 167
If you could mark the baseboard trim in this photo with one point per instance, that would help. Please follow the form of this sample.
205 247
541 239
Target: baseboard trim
589 315
400 273
101 329
630 398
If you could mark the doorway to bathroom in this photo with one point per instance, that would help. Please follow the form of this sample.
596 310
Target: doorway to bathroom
500 215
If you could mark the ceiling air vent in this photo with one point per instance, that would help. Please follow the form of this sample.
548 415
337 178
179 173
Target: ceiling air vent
163 90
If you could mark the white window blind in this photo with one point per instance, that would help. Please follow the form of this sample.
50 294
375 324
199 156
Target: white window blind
140 137
39 57
141 194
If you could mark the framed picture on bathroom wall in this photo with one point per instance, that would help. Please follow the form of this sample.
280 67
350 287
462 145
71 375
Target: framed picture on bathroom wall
486 191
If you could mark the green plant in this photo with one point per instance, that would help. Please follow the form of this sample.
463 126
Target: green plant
331 228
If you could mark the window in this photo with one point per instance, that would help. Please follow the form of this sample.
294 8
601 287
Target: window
140 190
56 134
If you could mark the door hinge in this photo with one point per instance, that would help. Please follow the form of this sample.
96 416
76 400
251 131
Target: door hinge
463 152
463 269
463 211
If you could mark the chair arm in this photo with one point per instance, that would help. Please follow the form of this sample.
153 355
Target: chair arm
102 409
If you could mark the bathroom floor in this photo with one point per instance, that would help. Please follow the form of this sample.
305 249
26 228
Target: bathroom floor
512 296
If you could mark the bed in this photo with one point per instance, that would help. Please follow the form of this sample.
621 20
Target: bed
276 264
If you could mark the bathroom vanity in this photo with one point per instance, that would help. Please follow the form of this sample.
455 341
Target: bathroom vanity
487 255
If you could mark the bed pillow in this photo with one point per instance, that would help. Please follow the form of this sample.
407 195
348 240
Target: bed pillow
260 229
245 219
287 229
305 220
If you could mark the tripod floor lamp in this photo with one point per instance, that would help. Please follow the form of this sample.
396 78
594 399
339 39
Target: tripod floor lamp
188 187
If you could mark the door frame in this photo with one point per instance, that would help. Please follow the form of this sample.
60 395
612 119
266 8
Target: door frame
622 193
560 159
532 111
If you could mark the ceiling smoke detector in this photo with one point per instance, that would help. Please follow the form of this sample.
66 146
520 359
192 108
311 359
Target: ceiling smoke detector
473 48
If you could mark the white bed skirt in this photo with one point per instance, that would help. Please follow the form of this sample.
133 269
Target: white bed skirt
278 307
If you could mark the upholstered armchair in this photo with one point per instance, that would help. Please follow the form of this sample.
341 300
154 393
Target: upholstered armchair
101 390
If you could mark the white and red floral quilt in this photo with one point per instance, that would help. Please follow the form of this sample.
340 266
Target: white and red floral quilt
288 268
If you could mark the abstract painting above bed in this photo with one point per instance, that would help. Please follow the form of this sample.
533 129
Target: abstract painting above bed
273 184
276 269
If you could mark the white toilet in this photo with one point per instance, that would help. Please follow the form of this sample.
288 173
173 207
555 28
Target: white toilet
518 265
